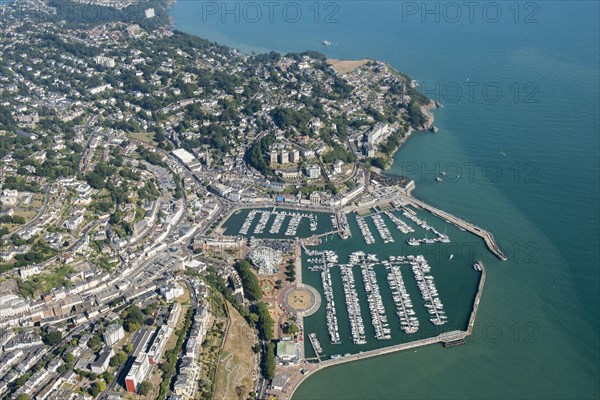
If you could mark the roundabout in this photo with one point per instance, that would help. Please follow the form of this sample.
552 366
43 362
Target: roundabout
303 300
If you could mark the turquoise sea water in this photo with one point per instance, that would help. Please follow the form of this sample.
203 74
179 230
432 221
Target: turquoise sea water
529 165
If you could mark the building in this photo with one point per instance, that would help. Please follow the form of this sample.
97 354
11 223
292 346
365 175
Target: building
308 153
315 198
378 134
105 61
171 291
206 243
286 352
187 159
28 272
219 189
174 315
113 334
73 222
283 157
9 197
337 166
289 173
314 171
158 345
273 156
101 363
294 156
149 13
137 373
100 89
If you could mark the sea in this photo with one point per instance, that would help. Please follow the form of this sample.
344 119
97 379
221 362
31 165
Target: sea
519 145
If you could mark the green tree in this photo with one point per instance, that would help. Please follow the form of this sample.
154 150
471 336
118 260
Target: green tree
145 388
265 322
249 281
52 338
118 359
95 343
107 377
268 362
69 358
101 385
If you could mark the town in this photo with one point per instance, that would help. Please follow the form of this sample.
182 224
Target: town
125 147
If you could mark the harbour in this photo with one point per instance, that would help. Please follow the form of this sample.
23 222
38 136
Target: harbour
381 292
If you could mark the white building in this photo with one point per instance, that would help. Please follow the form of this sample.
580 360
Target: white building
101 363
74 222
171 291
378 134
137 373
314 171
105 61
28 272
113 334
158 346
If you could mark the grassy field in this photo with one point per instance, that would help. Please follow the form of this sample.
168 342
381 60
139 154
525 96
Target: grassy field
345 66
146 137
236 370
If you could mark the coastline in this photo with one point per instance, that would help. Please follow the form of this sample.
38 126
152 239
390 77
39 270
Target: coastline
427 110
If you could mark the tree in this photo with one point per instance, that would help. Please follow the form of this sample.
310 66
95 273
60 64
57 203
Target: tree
52 338
23 397
249 281
118 359
291 328
95 343
69 358
101 385
145 388
265 322
131 326
128 348
269 361
107 377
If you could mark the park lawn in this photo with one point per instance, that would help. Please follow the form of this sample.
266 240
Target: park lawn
146 137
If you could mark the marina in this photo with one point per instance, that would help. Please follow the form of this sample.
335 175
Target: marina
382 228
440 237
378 316
364 229
428 291
277 223
248 222
362 290
332 324
385 293
404 308
463 225
401 225
262 222
357 326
